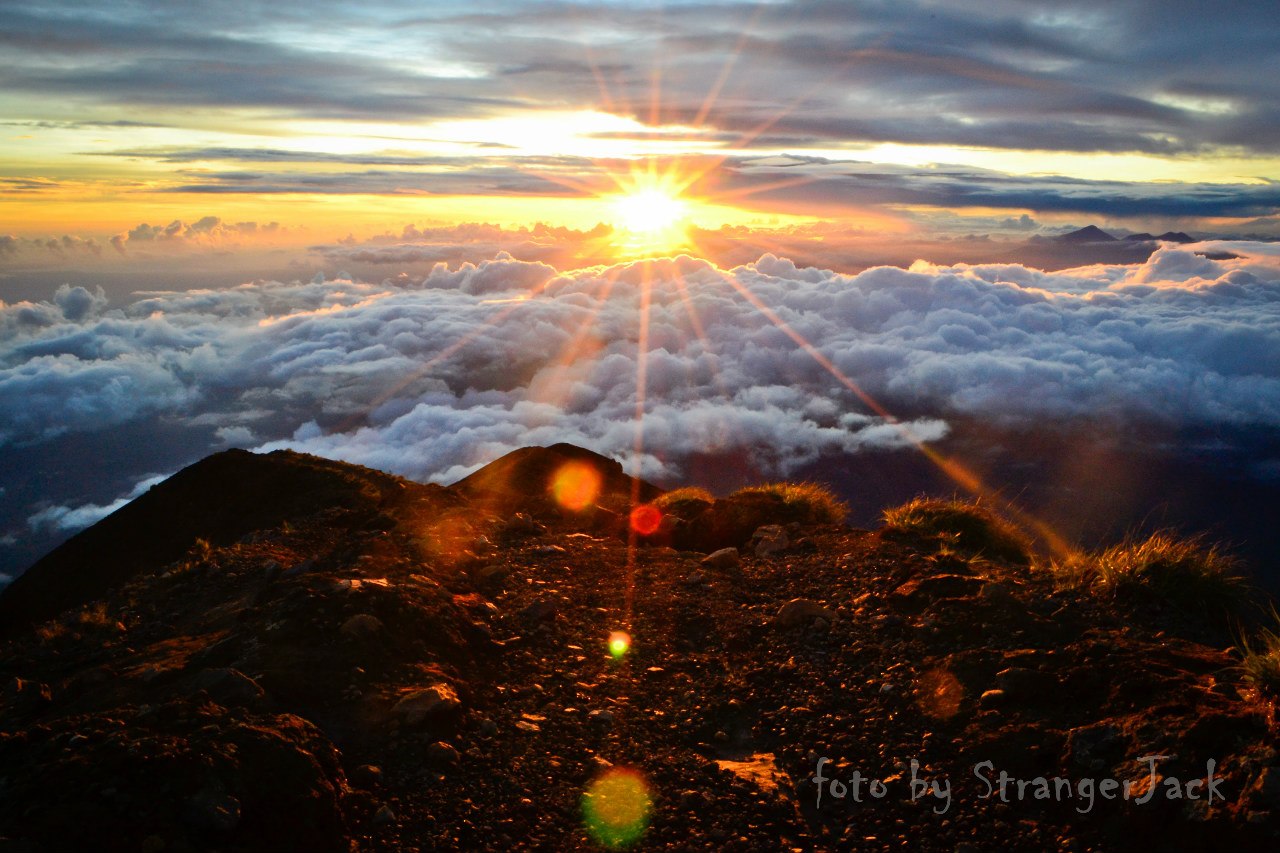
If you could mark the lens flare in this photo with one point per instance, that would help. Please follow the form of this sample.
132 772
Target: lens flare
616 808
619 644
576 485
645 519
939 694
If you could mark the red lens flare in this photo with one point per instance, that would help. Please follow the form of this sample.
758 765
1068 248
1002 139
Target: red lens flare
646 519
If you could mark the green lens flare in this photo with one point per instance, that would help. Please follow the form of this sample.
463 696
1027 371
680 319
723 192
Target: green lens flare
616 808
619 644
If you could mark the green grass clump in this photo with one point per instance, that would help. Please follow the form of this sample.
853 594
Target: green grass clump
1182 571
1260 663
808 503
965 525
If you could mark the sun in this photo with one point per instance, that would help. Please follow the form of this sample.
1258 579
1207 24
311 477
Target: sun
649 217
649 210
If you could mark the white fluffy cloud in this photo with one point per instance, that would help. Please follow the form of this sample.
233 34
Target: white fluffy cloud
74 518
436 378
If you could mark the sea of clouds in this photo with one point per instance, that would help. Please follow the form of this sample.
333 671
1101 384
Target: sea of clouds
434 377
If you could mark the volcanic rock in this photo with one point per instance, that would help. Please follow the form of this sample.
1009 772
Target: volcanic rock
489 702
430 703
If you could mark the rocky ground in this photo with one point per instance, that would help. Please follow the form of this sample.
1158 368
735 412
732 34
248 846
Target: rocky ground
404 667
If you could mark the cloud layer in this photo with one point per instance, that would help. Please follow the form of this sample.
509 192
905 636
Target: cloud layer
434 377
1150 76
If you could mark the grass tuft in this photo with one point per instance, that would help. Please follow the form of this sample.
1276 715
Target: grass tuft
808 503
1260 663
1182 571
683 499
966 526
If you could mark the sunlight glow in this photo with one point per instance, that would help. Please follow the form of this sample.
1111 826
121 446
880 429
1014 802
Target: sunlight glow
649 210
651 217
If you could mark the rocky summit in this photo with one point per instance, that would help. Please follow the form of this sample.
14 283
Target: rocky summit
277 652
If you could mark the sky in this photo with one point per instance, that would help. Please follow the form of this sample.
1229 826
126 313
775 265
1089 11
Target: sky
418 235
336 118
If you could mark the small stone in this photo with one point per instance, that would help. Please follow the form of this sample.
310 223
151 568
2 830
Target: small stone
493 574
436 701
384 815
542 610
521 525
601 717
152 844
442 753
367 776
769 540
488 728
920 590
361 625
991 698
694 579
802 611
725 558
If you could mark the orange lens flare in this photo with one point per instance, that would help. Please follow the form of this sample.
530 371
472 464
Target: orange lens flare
646 519
576 485
616 808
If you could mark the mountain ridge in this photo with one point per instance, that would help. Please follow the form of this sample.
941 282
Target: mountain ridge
383 667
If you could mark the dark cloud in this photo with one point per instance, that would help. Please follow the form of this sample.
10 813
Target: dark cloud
1081 75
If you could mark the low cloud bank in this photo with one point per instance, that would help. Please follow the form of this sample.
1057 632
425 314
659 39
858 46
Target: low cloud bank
433 377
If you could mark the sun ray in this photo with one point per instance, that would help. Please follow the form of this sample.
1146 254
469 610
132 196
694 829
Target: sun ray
423 369
713 94
956 471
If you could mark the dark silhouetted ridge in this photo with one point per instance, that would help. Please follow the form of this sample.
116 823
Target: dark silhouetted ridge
521 479
219 499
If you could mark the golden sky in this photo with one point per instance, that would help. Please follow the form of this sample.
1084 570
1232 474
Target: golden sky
331 119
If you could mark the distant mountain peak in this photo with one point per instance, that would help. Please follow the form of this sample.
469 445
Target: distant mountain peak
1087 234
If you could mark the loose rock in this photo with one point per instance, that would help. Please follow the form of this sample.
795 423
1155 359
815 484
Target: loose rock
802 611
434 702
725 558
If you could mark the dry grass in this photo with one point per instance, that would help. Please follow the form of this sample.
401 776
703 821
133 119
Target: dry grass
91 620
1260 662
1182 571
683 497
966 526
809 503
